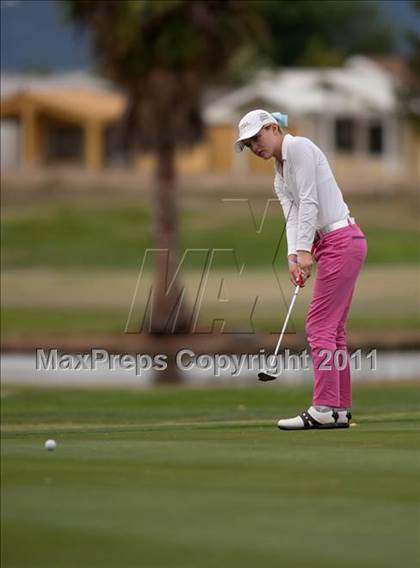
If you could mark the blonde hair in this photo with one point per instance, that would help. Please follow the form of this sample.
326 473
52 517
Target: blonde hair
279 128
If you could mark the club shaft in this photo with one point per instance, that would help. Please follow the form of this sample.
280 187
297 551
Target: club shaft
286 321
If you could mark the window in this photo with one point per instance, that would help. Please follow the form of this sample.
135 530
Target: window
344 134
64 143
376 138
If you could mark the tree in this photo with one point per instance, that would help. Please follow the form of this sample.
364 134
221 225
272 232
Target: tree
163 54
411 93
315 33
414 39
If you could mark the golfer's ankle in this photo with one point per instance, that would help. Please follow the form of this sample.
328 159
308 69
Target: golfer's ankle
324 408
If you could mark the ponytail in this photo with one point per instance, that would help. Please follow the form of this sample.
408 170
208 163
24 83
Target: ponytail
281 119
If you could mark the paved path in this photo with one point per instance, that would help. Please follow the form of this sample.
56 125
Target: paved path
20 369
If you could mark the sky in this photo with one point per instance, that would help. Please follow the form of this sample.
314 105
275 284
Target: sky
36 37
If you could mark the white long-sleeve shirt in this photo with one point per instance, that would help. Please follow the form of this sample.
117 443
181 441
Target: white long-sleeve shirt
308 192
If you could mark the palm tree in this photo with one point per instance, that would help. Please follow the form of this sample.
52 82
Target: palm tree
163 54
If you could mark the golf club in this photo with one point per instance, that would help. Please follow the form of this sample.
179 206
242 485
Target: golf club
263 376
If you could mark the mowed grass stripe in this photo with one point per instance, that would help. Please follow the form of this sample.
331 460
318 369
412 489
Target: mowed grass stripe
76 233
200 424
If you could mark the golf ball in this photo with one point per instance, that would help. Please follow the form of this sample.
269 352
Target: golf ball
50 445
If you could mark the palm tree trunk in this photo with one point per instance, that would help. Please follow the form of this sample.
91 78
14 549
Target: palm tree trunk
169 315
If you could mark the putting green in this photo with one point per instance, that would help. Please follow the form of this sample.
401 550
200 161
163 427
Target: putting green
202 478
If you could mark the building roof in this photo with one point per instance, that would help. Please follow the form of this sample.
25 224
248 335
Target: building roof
360 87
67 103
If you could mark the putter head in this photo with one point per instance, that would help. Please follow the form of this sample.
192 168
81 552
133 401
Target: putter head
266 377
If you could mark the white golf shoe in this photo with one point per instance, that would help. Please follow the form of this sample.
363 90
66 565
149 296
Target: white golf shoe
313 419
344 417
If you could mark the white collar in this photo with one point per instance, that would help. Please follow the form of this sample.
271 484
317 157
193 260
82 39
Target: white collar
286 141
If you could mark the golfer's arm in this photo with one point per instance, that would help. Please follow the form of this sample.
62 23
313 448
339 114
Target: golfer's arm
290 212
305 171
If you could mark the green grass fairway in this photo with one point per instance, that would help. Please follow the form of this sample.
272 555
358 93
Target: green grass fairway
77 233
182 478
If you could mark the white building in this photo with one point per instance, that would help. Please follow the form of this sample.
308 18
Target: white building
352 113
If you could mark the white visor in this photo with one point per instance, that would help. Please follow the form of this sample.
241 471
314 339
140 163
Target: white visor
251 124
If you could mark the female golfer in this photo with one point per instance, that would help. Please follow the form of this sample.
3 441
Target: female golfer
318 226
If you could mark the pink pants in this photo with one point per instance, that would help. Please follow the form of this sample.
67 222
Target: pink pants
340 256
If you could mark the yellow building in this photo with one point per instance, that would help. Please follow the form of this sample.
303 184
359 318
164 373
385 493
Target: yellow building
62 125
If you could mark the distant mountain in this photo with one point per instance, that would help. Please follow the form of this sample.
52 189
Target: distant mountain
35 36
